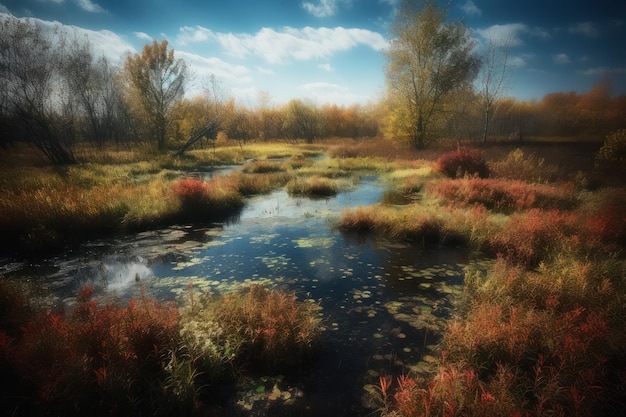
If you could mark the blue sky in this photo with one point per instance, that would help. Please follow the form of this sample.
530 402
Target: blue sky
330 51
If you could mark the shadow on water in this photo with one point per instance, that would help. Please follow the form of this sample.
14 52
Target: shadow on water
384 304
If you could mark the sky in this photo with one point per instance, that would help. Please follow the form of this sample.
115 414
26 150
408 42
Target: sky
331 51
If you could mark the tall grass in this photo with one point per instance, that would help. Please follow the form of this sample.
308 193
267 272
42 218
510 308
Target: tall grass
145 357
505 195
267 328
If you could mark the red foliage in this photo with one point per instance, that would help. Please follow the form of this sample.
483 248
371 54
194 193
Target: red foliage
502 195
530 236
463 161
190 190
85 360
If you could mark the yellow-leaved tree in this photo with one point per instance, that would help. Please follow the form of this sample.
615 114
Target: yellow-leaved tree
157 82
429 59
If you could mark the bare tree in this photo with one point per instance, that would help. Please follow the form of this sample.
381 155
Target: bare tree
92 87
31 84
494 76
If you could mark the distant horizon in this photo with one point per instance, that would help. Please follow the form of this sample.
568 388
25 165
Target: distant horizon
330 51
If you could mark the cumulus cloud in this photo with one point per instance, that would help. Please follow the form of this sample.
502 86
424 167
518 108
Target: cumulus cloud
143 35
89 6
470 8
511 33
205 67
587 29
561 59
276 47
326 67
325 8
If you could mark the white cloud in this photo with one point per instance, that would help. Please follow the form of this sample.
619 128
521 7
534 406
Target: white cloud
3 9
326 67
89 6
143 35
325 8
587 29
511 33
470 8
517 61
561 59
203 67
265 71
276 47
324 93
188 34
103 42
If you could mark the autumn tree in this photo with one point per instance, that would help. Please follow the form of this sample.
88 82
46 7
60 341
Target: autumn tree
210 113
302 121
428 59
158 81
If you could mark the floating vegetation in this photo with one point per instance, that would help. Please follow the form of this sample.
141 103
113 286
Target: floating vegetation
314 242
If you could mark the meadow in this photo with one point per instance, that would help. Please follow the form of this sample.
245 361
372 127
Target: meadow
540 333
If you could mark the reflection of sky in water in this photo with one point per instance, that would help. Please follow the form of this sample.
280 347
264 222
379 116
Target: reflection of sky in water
379 299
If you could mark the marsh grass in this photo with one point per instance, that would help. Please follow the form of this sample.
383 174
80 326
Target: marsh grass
257 327
313 186
505 195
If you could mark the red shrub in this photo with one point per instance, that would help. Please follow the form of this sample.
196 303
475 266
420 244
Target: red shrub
463 161
529 237
503 195
99 357
190 190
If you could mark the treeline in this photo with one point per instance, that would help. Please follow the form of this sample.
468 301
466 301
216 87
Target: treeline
589 116
55 93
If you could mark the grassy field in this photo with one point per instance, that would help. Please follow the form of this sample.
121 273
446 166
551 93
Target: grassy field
541 333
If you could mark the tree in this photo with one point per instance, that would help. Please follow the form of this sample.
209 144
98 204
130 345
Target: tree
158 80
30 91
494 76
428 59
302 121
213 108
92 87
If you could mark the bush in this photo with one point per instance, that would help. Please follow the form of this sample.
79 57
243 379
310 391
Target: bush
613 151
202 200
98 360
463 161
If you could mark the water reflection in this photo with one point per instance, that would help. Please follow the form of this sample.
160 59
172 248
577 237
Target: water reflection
384 303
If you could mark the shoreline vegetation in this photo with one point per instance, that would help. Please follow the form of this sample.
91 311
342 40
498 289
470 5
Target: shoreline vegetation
540 333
